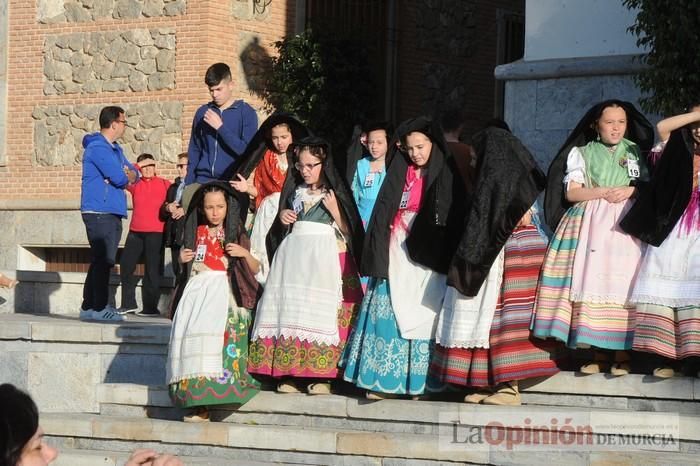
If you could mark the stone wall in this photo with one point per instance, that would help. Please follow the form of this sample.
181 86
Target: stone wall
251 9
57 11
153 127
92 62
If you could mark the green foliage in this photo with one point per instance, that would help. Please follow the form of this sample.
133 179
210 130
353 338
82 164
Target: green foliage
324 80
669 30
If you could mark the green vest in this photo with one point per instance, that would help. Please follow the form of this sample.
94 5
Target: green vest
610 170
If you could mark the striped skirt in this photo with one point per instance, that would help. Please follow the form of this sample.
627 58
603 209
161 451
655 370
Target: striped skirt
513 354
667 294
672 333
602 323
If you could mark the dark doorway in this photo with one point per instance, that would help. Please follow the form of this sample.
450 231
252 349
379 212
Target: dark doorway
370 22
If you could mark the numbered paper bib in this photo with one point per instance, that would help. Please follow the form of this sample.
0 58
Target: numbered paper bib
633 168
201 253
298 205
404 199
369 180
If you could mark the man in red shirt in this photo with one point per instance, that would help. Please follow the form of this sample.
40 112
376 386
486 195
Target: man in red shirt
145 238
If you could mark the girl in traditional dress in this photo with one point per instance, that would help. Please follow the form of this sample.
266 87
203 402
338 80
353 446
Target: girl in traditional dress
589 270
218 297
313 288
667 216
408 245
368 169
261 175
483 336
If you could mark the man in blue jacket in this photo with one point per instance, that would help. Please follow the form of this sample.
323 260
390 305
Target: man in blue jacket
221 130
106 172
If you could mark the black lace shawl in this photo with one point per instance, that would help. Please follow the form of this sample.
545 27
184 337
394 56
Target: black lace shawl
658 208
508 182
639 131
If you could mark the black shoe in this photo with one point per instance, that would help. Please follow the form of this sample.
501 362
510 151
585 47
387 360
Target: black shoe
145 313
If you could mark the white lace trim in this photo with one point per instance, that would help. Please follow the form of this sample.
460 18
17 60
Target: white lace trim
598 299
466 344
195 375
310 336
665 301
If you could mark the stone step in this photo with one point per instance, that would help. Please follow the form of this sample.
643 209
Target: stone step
37 351
222 442
400 416
74 457
150 335
253 441
34 349
69 329
61 293
633 392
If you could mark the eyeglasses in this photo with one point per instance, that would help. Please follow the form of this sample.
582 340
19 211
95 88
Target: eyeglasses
121 121
308 166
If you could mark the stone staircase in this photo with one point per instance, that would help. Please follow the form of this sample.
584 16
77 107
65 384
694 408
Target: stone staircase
99 389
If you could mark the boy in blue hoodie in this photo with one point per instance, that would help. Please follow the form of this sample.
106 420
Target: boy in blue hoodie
106 173
221 130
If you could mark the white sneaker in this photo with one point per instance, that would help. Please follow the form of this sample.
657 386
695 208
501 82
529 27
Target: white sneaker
125 310
108 314
86 314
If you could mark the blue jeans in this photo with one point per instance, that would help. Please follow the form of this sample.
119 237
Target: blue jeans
103 232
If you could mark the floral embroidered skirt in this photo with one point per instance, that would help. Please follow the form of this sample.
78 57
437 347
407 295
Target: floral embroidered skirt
237 385
287 357
377 358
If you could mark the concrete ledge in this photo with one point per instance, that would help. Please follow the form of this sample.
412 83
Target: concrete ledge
40 204
601 392
37 276
51 328
215 434
73 457
569 67
133 394
633 385
297 403
393 411
317 441
404 446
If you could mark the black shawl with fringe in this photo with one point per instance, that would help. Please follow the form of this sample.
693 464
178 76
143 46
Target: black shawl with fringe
508 182
435 232
639 131
658 208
